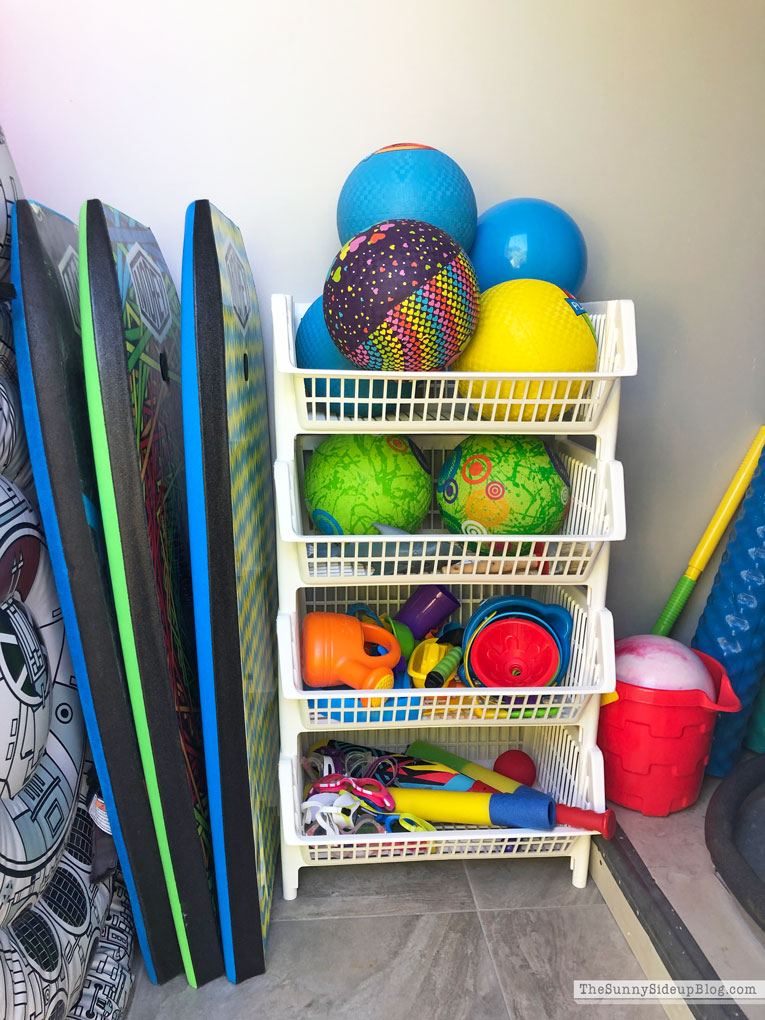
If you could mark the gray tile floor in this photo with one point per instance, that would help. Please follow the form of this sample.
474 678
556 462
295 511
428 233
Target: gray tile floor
675 852
478 940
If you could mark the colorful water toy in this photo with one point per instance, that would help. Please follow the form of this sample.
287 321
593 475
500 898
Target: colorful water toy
333 652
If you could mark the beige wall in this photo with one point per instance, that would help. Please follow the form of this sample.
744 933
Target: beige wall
642 119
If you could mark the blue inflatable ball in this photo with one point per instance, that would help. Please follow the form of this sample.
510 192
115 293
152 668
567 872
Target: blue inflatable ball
408 181
528 238
314 348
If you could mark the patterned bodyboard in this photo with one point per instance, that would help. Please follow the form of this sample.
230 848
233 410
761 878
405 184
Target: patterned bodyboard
231 523
131 350
52 384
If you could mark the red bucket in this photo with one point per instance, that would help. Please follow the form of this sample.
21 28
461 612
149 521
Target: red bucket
656 743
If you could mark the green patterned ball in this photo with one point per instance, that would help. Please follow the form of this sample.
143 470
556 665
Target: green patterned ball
503 485
355 482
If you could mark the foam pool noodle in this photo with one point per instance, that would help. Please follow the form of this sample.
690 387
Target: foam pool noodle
732 625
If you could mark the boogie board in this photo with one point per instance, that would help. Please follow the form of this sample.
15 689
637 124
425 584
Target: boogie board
231 525
49 353
131 350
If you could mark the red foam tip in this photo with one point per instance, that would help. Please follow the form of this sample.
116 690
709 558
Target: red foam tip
602 822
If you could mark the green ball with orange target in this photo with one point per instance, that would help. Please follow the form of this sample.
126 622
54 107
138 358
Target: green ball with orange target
355 482
503 485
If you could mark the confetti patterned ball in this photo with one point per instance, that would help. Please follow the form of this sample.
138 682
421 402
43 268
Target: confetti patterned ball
503 485
401 297
408 181
353 483
528 326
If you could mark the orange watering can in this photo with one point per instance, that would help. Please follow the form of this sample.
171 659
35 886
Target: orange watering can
333 652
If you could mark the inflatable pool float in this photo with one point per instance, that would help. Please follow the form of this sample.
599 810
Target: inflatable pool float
14 453
40 711
75 937
108 983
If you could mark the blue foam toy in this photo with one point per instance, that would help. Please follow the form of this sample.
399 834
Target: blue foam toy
732 626
529 238
524 809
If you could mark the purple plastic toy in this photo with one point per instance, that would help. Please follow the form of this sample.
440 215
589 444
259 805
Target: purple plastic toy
426 609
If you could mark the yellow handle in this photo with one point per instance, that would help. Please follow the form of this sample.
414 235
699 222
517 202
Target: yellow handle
459 807
726 508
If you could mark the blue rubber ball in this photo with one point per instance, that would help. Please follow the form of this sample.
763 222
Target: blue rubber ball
408 181
528 238
314 348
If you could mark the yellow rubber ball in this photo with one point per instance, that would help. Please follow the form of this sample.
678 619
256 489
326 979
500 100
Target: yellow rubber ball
528 326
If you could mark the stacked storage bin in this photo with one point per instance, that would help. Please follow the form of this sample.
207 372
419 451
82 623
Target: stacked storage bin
556 725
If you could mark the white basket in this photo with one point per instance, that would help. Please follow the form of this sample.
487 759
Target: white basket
595 515
571 774
370 402
590 671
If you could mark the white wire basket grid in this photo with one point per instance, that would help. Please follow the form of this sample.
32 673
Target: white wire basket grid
353 401
590 671
595 515
569 772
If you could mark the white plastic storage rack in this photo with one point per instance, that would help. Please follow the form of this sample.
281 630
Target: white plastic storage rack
557 726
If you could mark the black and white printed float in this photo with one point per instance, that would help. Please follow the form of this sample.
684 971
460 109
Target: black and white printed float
76 938
43 731
65 941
